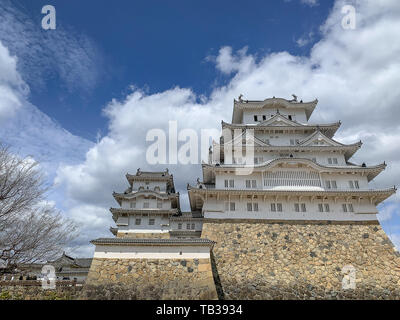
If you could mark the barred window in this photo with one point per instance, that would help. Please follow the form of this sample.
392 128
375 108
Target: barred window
138 221
152 222
255 206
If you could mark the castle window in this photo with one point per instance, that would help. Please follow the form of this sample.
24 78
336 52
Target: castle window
329 160
323 207
193 226
351 184
159 204
226 183
231 183
179 226
141 188
146 205
157 189
138 221
331 184
292 142
328 184
151 222
249 206
276 207
232 206
188 226
356 184
350 207
255 118
335 161
344 207
290 117
298 206
255 206
133 204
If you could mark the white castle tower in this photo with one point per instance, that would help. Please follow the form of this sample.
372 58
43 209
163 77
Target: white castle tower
150 208
300 172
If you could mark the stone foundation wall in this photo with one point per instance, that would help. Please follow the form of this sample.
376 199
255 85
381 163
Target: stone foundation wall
296 260
150 279
131 235
37 293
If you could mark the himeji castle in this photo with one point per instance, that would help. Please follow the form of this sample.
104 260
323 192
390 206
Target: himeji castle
281 212
300 171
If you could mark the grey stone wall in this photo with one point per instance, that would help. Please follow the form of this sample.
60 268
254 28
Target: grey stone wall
296 260
150 279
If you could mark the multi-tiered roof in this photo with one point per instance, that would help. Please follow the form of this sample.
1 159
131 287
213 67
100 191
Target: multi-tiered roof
317 138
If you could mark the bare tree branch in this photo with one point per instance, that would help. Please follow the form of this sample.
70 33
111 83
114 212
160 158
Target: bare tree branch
30 230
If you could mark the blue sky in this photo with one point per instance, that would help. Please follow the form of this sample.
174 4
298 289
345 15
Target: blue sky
157 45
81 98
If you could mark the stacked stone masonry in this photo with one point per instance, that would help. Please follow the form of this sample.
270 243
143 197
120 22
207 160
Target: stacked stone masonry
150 279
295 260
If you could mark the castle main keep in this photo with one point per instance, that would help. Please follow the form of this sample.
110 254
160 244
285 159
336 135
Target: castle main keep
280 213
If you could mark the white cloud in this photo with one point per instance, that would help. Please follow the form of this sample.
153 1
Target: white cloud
12 87
305 40
28 131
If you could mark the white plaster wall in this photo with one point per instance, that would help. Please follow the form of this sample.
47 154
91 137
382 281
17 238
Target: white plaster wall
166 204
298 115
151 252
161 224
363 210
342 180
198 225
150 185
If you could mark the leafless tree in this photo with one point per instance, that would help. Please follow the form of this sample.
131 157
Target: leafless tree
31 230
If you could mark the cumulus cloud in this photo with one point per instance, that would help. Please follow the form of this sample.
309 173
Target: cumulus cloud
12 87
353 73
